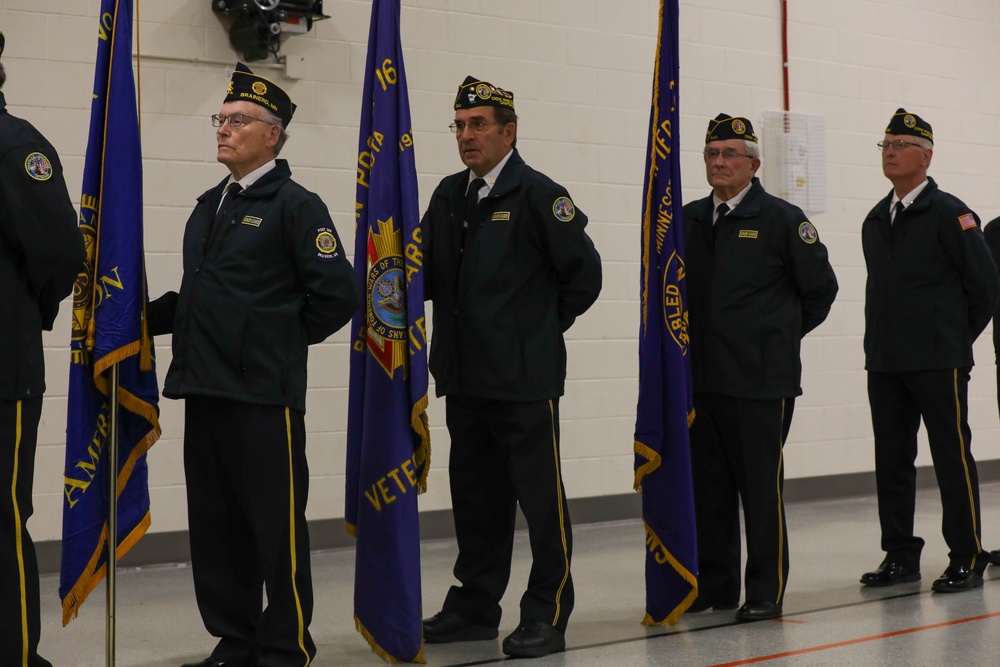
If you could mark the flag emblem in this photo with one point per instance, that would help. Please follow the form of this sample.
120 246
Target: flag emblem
968 221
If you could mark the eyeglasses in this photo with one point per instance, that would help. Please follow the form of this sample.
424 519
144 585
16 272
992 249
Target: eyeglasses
898 145
475 125
235 120
728 155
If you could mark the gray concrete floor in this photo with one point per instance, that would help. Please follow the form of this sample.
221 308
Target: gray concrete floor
829 618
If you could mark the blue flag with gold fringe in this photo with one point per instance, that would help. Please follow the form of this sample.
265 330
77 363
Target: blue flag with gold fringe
108 329
665 406
388 441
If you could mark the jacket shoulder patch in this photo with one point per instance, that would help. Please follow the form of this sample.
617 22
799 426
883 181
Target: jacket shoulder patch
968 221
808 233
563 209
38 166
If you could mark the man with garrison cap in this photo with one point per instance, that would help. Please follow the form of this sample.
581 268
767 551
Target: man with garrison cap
759 279
509 268
265 276
41 252
932 287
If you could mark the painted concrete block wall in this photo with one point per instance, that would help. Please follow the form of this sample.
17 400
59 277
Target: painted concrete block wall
581 74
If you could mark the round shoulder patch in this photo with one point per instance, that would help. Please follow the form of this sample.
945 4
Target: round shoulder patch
808 233
326 242
563 209
38 167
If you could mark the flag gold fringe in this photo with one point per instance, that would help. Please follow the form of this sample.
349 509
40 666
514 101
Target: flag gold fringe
684 573
653 462
420 424
351 529
381 652
89 580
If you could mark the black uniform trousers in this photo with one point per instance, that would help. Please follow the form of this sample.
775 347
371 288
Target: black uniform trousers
20 623
898 401
505 453
247 484
736 455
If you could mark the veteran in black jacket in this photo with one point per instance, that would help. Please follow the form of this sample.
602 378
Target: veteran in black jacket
41 253
932 288
509 268
265 276
759 279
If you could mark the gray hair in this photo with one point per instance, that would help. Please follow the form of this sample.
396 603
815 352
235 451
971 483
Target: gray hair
273 119
924 143
753 148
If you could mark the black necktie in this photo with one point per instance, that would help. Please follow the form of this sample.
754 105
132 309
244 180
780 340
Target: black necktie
228 197
721 211
471 204
896 211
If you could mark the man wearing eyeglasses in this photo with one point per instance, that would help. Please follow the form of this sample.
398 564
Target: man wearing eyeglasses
931 290
265 276
509 268
759 279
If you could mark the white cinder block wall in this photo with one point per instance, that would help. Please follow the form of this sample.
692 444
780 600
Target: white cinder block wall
580 71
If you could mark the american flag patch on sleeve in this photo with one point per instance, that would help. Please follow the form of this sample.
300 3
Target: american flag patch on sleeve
967 221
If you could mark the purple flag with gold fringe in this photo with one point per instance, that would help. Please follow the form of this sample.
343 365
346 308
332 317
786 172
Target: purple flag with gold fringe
665 407
388 442
108 329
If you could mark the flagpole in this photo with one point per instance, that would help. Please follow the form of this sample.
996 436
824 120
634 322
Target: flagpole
112 564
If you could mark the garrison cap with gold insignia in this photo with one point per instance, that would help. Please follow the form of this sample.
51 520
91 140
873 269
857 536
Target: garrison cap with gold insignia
476 93
903 122
724 127
245 86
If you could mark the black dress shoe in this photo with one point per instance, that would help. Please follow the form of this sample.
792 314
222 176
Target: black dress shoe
758 610
890 574
957 579
210 661
994 557
533 639
446 627
701 604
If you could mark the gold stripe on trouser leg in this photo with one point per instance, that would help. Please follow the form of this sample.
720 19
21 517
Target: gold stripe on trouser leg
965 465
291 532
18 540
781 523
562 514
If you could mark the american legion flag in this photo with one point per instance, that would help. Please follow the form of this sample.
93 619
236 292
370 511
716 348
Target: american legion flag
665 408
108 329
388 441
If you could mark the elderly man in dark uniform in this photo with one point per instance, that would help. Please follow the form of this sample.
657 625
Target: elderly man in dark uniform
759 279
509 269
932 287
265 276
41 252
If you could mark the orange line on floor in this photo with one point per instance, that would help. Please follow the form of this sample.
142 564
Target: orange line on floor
788 620
861 640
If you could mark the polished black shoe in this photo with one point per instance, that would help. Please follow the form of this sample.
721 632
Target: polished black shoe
446 627
758 610
957 579
994 557
890 574
533 639
210 661
701 604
